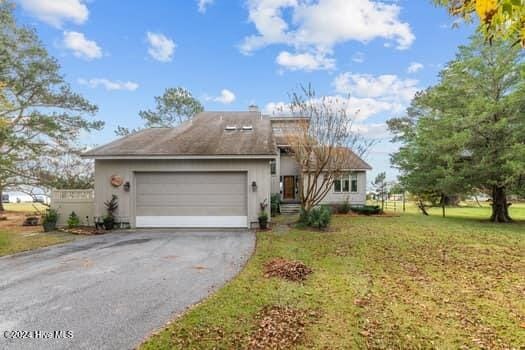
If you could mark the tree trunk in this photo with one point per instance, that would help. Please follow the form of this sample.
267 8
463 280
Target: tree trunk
477 201
443 201
500 207
1 201
421 206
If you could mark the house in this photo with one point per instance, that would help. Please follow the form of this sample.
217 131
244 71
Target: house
211 171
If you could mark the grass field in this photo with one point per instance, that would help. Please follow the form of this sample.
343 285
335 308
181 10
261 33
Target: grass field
469 210
15 238
408 282
24 207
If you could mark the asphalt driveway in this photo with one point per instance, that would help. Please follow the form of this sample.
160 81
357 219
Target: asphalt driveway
111 291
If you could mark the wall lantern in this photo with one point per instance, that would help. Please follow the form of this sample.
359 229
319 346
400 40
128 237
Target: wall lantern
254 186
126 186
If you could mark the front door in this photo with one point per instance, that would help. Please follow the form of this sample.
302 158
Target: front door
289 187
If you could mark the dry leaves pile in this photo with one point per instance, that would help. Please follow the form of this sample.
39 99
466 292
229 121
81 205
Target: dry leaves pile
280 327
294 271
83 230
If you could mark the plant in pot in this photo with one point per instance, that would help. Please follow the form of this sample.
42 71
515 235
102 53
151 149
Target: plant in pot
49 220
111 208
263 216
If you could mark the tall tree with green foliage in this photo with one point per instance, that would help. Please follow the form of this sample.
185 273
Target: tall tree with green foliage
175 106
468 132
40 116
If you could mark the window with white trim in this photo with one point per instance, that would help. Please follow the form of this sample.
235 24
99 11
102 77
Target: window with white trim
353 182
346 183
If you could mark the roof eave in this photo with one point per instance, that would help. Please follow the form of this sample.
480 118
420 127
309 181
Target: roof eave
157 156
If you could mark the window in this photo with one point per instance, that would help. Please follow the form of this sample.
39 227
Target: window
273 167
353 179
337 185
347 183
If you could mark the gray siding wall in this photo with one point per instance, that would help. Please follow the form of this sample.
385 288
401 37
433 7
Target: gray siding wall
257 170
275 177
289 166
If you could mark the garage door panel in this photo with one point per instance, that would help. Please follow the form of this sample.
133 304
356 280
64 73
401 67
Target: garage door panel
191 221
191 200
191 178
188 200
192 211
194 189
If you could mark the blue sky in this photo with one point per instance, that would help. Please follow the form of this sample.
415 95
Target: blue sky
229 54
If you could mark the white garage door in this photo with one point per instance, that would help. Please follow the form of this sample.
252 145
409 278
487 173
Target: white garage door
191 200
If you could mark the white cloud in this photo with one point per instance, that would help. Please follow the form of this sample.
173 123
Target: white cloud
277 108
376 94
55 12
226 97
109 85
415 67
372 130
317 26
304 61
161 47
81 46
387 87
363 96
360 108
358 57
203 5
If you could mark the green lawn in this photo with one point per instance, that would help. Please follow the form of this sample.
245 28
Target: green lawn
24 207
15 238
465 210
409 282
15 242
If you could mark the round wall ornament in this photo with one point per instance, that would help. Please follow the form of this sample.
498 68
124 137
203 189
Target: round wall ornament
116 181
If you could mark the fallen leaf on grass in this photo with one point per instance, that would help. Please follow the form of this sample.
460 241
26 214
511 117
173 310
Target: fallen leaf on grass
295 271
280 327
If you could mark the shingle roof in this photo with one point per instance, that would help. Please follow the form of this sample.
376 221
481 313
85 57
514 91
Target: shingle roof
204 135
353 161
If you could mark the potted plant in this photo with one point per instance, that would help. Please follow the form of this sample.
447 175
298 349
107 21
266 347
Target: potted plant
49 220
263 216
111 208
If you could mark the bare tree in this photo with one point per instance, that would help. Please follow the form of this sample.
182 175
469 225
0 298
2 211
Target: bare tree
323 143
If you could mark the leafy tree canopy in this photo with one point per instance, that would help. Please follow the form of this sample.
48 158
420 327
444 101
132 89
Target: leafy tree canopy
499 19
40 116
175 106
467 133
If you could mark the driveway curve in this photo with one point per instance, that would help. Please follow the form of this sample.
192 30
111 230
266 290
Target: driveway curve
111 291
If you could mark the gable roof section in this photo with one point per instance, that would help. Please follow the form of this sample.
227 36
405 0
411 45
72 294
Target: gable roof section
204 135
353 162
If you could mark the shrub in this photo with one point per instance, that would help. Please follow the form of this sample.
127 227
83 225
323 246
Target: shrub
275 204
344 208
318 217
49 220
73 220
367 209
50 216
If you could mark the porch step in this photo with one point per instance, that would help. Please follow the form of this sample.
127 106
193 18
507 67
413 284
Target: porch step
289 209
